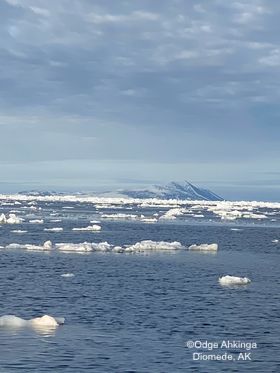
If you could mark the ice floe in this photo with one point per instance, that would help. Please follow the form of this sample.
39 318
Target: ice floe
173 213
46 321
11 219
119 216
150 219
91 228
46 246
154 245
74 247
204 247
36 221
67 275
145 245
55 229
233 280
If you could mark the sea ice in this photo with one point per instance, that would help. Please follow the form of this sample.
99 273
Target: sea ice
12 321
154 245
12 219
55 229
91 228
74 247
233 280
204 247
173 213
119 216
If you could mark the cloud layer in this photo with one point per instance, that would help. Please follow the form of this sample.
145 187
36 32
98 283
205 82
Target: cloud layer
139 90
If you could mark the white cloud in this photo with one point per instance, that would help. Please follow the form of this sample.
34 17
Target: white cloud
135 16
40 11
272 60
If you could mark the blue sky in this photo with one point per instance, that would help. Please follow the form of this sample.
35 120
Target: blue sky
108 94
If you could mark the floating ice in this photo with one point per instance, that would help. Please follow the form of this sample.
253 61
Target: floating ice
74 247
36 221
154 245
55 229
146 245
15 246
119 216
46 246
148 219
173 213
12 321
204 247
101 246
12 219
275 241
233 280
67 275
18 231
94 227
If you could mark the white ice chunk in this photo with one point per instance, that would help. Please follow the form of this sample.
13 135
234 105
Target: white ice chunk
12 321
173 213
233 280
93 227
74 247
13 219
3 219
55 229
119 216
154 245
204 247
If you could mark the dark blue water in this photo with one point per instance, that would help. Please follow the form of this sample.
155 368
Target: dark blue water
135 312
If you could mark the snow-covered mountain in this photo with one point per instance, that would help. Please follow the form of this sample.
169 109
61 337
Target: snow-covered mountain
183 190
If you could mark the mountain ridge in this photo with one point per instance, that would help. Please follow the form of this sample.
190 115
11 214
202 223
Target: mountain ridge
174 190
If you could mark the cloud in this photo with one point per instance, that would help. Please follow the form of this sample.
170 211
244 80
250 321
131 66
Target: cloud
167 81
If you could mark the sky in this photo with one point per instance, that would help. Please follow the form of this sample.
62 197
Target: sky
105 94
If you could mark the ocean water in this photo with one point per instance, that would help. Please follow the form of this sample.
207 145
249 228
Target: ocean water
136 312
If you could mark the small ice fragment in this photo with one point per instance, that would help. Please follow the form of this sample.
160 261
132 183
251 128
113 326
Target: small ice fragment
93 228
233 280
58 229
